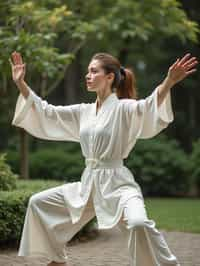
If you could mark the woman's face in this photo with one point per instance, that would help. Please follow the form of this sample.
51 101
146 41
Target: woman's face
96 78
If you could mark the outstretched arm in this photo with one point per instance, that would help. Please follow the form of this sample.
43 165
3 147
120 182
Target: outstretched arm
18 73
37 116
178 71
148 117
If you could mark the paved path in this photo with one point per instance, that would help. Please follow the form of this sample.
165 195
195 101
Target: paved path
108 250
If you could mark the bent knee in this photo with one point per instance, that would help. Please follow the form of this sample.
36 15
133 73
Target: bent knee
35 200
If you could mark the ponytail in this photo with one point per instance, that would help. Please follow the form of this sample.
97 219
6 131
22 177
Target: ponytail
127 84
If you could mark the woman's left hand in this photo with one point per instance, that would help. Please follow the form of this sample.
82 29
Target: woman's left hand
182 68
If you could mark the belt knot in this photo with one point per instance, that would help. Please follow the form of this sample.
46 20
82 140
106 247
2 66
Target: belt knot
92 162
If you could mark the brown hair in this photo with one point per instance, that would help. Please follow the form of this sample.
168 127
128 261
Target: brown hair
124 81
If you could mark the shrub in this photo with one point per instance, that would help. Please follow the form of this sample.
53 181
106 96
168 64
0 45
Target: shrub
160 166
12 211
13 159
7 177
195 164
48 163
13 206
56 164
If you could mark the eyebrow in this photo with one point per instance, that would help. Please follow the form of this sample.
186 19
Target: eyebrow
92 68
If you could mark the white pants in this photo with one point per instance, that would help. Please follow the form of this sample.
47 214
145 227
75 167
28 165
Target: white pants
48 227
146 245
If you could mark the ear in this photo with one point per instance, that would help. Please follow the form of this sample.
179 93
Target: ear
111 76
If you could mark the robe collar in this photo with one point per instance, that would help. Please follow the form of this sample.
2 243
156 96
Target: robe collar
108 102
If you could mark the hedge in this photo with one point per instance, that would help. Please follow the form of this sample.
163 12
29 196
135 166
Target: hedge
161 167
55 164
7 177
13 206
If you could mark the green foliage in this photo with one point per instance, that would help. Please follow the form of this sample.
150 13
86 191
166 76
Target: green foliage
37 28
160 166
32 28
136 20
7 177
52 163
165 18
13 159
56 164
195 163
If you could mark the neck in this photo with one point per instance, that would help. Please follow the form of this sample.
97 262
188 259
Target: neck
101 96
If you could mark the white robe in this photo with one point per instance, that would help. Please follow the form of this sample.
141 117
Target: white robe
106 138
109 135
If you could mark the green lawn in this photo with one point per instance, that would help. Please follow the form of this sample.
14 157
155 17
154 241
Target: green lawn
175 214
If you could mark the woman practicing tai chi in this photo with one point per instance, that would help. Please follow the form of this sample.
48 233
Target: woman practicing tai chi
107 130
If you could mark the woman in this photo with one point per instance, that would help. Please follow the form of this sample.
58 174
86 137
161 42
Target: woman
107 131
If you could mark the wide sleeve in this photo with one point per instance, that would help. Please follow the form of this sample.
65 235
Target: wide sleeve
46 121
145 119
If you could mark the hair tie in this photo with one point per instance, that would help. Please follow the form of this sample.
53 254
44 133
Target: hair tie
122 71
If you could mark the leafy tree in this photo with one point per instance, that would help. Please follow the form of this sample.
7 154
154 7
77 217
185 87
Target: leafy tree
135 32
32 28
50 34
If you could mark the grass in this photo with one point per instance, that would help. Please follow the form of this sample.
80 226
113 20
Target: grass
37 185
175 214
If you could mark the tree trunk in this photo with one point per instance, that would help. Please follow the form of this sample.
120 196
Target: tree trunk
24 165
72 82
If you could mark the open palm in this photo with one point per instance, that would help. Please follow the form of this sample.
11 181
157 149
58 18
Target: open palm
182 68
18 67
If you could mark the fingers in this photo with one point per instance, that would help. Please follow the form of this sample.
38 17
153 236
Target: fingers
17 59
14 58
184 59
190 63
186 62
24 67
191 71
189 66
21 66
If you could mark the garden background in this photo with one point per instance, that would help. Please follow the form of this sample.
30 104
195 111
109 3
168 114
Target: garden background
57 40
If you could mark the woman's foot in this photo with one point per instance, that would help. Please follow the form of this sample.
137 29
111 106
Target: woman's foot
53 263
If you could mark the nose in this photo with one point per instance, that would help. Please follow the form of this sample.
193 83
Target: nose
87 76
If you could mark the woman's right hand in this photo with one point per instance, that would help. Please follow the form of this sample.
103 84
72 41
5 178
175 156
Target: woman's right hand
18 67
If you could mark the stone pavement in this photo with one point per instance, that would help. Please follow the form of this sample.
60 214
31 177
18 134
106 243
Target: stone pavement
108 249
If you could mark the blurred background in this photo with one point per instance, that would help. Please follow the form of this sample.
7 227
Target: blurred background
57 39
